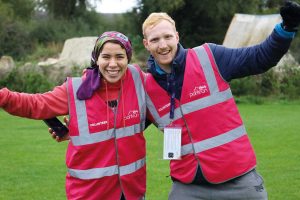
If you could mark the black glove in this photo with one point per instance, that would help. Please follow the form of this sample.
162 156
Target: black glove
290 13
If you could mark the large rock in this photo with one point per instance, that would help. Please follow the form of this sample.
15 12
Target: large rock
75 56
76 52
247 30
7 64
30 68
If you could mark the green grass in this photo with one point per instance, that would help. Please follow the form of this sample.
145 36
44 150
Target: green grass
275 134
32 165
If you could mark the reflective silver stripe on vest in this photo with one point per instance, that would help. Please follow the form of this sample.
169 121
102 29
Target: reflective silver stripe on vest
106 135
214 141
196 105
153 111
96 173
207 69
83 127
80 110
140 92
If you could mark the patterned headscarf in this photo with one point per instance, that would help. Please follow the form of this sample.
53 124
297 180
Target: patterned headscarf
92 81
109 36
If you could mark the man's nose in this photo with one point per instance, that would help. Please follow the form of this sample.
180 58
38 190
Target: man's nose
162 43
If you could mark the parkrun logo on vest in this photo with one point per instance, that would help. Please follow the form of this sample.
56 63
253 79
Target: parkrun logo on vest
199 90
132 114
99 123
164 107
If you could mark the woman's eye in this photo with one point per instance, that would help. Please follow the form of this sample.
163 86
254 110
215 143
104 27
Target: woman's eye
105 57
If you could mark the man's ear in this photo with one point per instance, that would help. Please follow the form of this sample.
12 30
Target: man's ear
177 36
145 42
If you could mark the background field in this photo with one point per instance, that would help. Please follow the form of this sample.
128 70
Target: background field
32 165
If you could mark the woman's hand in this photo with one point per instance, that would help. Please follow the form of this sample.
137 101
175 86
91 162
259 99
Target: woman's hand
58 139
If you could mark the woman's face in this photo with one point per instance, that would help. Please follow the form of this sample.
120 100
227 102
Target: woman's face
112 62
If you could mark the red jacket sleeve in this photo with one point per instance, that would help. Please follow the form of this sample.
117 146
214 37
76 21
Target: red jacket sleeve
35 106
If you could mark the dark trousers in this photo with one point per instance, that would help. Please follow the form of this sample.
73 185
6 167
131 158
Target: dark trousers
122 197
247 187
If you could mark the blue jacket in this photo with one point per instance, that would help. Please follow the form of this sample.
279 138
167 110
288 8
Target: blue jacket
232 62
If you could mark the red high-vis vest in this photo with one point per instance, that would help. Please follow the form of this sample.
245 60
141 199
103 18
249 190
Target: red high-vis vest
106 154
213 134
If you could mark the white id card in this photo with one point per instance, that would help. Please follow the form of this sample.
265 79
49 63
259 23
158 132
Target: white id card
172 143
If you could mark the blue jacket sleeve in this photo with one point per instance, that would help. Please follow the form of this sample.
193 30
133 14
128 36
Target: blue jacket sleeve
240 62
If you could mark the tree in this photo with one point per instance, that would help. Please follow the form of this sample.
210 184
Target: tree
6 13
145 7
18 9
14 37
208 21
65 9
202 21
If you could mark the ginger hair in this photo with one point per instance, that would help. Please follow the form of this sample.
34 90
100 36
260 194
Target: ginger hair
155 18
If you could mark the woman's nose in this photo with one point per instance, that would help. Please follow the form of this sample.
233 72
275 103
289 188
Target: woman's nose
112 62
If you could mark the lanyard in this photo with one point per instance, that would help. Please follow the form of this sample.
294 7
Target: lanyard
171 90
171 87
172 106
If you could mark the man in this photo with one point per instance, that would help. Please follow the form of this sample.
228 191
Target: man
217 160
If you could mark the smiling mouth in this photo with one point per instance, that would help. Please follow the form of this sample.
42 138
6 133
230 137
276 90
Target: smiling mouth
113 72
164 53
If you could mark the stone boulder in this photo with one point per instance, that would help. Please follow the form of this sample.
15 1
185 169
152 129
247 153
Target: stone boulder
75 56
247 30
76 52
7 64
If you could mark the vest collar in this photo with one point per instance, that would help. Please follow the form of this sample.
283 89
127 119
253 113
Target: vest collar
178 63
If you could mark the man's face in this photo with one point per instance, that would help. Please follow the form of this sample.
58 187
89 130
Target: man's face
161 41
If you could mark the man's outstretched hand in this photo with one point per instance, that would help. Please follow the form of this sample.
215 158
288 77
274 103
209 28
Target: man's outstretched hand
290 13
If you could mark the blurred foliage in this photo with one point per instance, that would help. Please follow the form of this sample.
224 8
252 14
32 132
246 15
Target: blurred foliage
29 81
63 9
14 34
32 30
44 51
46 21
283 84
21 10
203 21
6 13
15 40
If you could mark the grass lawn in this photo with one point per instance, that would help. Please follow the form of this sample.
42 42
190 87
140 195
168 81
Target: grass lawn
32 165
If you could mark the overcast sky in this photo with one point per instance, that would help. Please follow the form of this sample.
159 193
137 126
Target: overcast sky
115 6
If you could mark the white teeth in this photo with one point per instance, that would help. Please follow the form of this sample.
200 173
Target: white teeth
164 53
112 72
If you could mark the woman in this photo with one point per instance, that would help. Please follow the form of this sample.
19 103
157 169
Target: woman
106 153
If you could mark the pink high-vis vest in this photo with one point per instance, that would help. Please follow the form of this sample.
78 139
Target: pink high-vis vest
213 134
106 154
